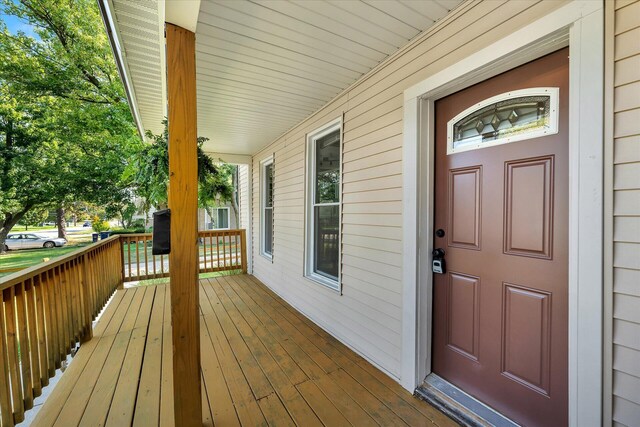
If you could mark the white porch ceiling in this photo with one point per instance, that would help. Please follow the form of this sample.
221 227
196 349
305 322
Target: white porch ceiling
140 29
263 66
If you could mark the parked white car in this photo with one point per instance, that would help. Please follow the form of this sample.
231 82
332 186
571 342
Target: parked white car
31 240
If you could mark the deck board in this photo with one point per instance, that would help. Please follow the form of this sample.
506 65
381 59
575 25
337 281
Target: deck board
263 364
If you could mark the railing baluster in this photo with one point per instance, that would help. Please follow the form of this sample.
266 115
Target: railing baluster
55 324
42 335
129 255
24 346
8 297
218 251
138 258
146 265
6 410
50 323
85 290
212 253
153 258
243 249
202 241
68 331
77 303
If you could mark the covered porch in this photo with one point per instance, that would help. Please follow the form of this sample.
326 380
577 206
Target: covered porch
263 363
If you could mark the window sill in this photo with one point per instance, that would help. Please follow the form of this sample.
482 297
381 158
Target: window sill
267 256
332 285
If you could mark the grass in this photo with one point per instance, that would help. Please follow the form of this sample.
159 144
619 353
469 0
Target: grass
24 258
226 248
31 228
165 280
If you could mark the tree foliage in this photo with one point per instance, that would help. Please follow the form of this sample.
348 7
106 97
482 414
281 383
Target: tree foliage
65 126
148 174
34 217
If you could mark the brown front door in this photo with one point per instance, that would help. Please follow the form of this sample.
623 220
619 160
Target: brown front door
500 327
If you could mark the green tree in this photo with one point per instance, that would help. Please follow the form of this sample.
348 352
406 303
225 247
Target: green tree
123 210
220 189
148 174
34 217
65 126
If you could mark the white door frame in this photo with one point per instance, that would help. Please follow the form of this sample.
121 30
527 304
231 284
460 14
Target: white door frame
580 25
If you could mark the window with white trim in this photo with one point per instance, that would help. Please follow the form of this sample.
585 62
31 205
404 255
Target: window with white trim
219 219
266 207
324 171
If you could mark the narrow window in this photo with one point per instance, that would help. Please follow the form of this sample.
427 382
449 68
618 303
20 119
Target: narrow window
323 205
266 214
222 218
219 219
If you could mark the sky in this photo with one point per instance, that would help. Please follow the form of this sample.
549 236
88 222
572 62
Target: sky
15 24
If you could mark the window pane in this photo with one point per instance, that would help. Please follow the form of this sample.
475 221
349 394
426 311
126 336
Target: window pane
268 231
326 222
503 119
328 168
223 218
268 182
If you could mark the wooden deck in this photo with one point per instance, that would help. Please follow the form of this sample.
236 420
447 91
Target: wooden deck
263 363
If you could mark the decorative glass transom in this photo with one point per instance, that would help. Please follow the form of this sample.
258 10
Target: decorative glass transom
508 117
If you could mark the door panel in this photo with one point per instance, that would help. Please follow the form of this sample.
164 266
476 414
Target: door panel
464 207
500 322
529 207
463 311
526 325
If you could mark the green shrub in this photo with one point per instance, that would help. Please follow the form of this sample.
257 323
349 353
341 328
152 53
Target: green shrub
100 225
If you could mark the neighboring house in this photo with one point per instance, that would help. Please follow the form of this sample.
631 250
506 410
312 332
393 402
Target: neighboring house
452 189
217 218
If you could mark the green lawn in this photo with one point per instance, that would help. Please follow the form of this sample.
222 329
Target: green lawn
19 228
28 257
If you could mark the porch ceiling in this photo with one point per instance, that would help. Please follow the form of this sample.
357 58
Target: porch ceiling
263 66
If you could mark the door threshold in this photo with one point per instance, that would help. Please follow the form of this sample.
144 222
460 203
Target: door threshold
460 406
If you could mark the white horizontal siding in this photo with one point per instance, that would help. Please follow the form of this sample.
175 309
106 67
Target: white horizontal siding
626 233
367 316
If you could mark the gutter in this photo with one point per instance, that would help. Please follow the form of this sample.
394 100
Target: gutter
109 24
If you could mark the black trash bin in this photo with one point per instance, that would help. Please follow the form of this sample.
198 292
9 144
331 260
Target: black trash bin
104 234
94 237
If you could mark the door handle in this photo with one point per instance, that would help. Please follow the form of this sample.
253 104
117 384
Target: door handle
438 253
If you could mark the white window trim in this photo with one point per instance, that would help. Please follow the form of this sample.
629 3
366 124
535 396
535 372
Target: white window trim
551 92
210 219
263 201
581 22
228 216
312 137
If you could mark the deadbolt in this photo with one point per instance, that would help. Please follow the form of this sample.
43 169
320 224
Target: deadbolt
438 253
439 232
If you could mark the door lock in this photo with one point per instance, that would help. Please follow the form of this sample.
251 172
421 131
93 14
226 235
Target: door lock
438 264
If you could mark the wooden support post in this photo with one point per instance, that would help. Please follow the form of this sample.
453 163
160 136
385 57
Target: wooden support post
183 202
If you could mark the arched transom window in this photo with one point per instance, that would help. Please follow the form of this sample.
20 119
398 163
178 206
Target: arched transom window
508 117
